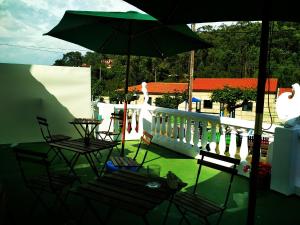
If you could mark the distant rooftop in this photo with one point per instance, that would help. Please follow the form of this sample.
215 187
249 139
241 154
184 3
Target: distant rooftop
206 84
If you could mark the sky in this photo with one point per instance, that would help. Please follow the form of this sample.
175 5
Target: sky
23 23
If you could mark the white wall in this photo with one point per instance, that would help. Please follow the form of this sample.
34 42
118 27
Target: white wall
58 93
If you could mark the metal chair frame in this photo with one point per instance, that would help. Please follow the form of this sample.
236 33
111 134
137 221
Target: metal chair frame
43 180
123 161
198 204
50 138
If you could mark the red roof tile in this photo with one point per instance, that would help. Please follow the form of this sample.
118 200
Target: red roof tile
210 84
206 84
282 90
161 88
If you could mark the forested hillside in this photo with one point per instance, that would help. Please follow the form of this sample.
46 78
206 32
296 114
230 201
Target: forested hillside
235 54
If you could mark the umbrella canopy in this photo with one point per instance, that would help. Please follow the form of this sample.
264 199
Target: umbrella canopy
109 33
193 11
125 33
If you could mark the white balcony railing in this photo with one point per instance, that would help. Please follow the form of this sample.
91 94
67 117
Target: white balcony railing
188 132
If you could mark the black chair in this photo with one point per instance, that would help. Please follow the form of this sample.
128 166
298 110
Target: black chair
117 162
198 204
111 133
48 136
42 182
114 129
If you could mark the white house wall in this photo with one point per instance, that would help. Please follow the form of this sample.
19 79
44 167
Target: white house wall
55 92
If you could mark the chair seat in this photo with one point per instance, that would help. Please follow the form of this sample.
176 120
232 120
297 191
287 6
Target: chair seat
57 183
197 204
107 132
124 161
112 168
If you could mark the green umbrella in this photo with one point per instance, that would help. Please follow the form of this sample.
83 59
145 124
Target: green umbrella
195 11
125 33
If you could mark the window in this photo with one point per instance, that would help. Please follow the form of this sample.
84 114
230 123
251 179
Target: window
248 107
150 101
207 104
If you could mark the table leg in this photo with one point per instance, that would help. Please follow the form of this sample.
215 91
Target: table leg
69 163
92 163
107 158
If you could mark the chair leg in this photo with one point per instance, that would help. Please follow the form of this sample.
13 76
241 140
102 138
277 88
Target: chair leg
183 215
168 210
145 220
219 218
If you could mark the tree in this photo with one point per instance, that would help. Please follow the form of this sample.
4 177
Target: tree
70 59
233 98
171 100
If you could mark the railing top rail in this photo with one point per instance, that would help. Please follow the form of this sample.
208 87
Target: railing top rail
247 124
192 115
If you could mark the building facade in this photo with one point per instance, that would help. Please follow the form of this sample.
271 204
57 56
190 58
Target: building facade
202 91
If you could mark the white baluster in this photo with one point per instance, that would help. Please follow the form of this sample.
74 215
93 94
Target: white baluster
157 129
232 145
244 146
222 143
213 144
133 121
196 135
163 124
188 131
169 127
204 135
153 124
175 129
181 130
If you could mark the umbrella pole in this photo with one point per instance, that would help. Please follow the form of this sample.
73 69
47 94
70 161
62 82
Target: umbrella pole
263 58
125 102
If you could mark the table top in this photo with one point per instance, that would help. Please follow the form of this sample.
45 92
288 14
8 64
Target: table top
79 146
130 191
86 121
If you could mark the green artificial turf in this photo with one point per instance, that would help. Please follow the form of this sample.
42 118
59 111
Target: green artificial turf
272 208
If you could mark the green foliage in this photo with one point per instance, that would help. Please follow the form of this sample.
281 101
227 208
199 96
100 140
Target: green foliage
235 54
70 59
233 98
171 100
119 97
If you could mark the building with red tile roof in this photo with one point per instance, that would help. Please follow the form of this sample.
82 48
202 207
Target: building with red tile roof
161 88
206 84
210 84
203 88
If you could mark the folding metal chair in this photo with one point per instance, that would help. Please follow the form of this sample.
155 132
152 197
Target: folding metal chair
48 137
114 129
40 180
198 204
117 162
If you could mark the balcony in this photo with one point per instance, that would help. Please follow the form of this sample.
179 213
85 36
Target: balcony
188 132
272 207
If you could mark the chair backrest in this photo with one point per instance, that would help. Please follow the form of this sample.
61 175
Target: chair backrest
44 127
33 164
219 162
146 139
115 118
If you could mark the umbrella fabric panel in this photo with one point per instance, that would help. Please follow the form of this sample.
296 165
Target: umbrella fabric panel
110 35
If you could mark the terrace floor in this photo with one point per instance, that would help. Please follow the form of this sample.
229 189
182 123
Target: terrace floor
272 207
